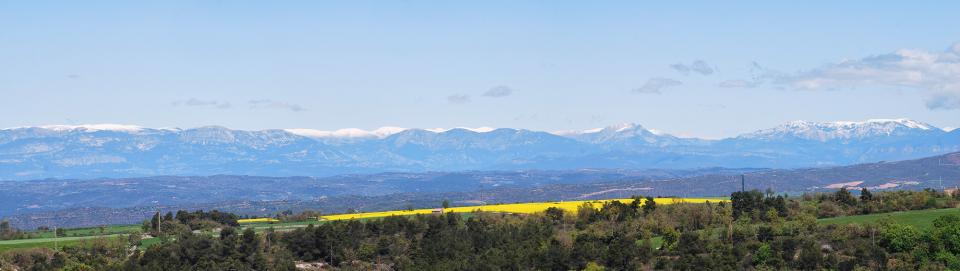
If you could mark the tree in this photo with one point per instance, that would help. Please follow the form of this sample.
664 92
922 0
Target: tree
649 205
844 196
865 195
445 204
745 202
763 254
899 238
4 227
810 256
554 214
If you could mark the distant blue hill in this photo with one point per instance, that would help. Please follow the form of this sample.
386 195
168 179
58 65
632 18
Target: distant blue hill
95 151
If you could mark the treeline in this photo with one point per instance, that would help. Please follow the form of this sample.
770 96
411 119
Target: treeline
8 233
843 202
754 231
189 221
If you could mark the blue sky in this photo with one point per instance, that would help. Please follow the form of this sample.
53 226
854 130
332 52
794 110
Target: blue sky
689 68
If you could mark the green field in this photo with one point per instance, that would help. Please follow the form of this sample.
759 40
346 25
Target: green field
73 236
47 242
922 219
259 227
93 231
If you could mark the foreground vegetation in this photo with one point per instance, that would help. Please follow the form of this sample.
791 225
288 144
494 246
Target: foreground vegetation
753 231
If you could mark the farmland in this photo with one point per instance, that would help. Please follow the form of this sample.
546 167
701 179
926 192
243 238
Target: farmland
520 208
75 235
921 219
70 237
94 231
257 220
48 242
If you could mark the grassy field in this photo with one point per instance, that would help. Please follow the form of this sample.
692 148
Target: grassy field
280 226
94 231
48 242
922 219
522 208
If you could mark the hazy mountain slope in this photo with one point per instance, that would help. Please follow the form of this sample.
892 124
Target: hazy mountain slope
94 151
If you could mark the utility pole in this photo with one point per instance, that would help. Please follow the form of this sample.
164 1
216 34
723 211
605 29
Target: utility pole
158 218
55 239
158 223
742 183
940 164
942 189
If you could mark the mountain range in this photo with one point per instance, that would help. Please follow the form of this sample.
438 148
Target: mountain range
111 151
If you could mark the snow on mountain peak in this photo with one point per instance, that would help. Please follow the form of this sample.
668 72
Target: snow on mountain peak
381 132
616 128
483 129
823 131
94 127
905 122
624 132
347 133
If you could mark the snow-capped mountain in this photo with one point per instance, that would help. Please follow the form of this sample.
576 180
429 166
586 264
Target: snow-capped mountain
845 130
629 134
347 133
110 150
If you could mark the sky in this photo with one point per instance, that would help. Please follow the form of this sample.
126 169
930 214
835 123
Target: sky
701 69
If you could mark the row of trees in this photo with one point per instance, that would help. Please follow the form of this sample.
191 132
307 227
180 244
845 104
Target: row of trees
844 202
188 221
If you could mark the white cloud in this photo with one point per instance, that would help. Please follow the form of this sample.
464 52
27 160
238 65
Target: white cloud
194 102
698 66
498 91
943 101
271 104
738 83
459 98
936 73
654 85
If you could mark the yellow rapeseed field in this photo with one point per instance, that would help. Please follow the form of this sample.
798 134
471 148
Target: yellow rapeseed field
523 208
257 220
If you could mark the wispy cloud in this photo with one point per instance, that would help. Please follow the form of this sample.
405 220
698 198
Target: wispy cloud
271 104
737 83
654 85
194 102
937 73
458 98
498 91
698 66
943 101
